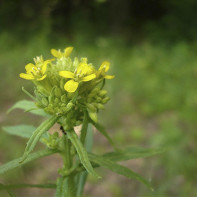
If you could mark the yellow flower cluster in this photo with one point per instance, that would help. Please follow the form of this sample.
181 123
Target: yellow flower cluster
84 72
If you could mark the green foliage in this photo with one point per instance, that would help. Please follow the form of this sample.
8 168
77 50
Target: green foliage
17 162
43 128
24 131
82 153
132 153
28 106
119 169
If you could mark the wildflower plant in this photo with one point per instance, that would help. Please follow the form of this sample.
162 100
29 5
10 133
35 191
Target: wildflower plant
69 92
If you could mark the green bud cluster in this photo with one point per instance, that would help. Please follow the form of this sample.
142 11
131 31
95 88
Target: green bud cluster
53 141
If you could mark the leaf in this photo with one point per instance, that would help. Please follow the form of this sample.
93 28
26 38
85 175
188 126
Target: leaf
102 130
11 194
82 177
133 153
24 185
81 152
44 127
119 169
28 106
16 163
24 131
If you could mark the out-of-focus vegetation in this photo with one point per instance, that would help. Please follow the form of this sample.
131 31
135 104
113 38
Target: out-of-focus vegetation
152 48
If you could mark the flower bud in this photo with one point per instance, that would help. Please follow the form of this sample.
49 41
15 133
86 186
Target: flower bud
45 101
64 98
100 106
105 100
91 107
103 93
58 92
93 116
57 100
69 106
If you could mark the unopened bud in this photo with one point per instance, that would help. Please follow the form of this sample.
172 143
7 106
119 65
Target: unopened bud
93 116
105 100
91 107
69 106
100 106
45 101
58 92
102 93
64 98
57 100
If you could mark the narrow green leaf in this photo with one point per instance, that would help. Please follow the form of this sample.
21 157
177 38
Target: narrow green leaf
133 153
28 106
102 130
24 185
11 194
82 177
81 152
24 131
16 163
44 127
119 169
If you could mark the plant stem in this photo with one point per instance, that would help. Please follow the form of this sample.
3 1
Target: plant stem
70 190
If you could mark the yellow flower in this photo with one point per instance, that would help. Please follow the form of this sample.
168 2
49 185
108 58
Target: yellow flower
103 69
84 72
59 54
36 71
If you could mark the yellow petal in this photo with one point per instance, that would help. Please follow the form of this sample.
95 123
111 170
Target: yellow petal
83 69
89 77
26 76
67 74
109 76
71 86
44 66
29 67
68 51
105 66
56 53
44 76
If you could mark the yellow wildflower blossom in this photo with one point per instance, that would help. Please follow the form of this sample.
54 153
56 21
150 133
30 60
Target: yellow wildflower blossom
59 54
36 71
103 69
84 72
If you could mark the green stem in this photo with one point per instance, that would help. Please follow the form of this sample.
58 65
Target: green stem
70 190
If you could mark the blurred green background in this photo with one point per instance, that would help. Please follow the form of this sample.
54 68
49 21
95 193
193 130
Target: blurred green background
152 47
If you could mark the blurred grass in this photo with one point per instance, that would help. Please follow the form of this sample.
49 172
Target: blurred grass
154 101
